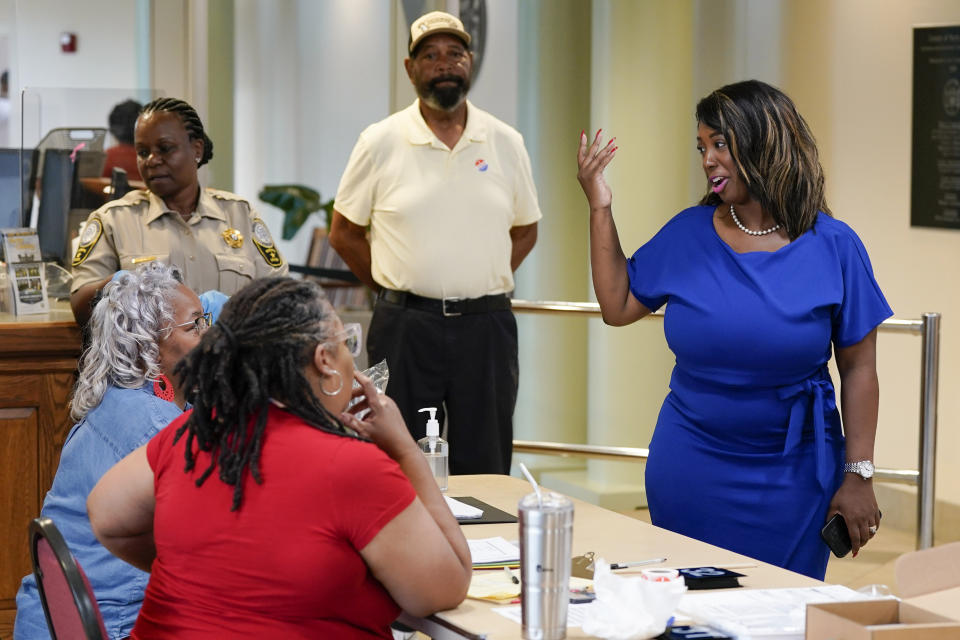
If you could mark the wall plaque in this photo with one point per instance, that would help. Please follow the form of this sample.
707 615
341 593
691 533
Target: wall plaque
935 185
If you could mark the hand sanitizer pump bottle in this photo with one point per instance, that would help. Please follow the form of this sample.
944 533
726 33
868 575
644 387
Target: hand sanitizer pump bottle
435 449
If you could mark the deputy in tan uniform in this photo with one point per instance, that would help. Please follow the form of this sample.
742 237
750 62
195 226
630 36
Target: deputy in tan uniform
214 237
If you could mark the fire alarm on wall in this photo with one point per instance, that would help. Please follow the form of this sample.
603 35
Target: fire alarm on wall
68 42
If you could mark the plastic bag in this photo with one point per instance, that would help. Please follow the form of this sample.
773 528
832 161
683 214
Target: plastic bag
628 608
379 375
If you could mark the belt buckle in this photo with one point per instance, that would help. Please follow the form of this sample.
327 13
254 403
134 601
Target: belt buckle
451 314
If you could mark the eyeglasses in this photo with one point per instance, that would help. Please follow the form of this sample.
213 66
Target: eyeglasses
351 337
200 324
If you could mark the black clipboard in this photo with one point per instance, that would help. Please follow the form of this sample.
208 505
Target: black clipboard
491 515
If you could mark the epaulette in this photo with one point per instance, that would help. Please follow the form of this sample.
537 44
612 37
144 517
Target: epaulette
226 195
131 198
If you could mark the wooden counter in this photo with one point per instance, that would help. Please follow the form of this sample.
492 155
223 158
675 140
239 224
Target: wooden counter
38 361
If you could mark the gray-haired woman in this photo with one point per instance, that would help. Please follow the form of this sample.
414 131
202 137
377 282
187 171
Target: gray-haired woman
144 324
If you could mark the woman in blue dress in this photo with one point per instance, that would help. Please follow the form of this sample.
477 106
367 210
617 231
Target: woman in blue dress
761 284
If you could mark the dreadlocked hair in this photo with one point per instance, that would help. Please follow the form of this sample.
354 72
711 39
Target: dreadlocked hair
191 122
266 335
774 149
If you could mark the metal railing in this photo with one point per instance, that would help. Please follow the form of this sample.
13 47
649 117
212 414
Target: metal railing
928 327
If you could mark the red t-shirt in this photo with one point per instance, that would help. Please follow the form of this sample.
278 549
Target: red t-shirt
125 157
287 563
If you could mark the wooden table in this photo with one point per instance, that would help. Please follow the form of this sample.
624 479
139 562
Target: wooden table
616 537
38 360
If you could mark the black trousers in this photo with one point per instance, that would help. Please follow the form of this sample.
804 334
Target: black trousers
466 366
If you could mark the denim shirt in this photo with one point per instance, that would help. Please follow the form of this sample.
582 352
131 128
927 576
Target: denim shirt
124 420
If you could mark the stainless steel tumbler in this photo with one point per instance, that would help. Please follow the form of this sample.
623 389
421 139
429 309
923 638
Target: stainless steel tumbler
546 535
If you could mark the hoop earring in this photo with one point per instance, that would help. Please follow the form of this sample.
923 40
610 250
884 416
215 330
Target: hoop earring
162 388
339 385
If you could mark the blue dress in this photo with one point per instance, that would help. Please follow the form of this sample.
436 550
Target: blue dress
748 448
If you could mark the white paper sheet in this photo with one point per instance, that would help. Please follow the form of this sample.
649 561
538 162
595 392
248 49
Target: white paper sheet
575 613
462 510
487 550
760 614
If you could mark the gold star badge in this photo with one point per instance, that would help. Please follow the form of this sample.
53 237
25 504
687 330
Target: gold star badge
233 238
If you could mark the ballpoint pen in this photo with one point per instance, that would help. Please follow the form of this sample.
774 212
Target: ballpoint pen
639 563
513 577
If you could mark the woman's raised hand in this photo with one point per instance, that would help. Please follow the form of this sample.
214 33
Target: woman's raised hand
592 159
383 424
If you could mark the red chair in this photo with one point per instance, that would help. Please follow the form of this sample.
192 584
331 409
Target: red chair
68 600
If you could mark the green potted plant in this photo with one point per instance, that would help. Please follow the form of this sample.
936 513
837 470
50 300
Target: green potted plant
297 203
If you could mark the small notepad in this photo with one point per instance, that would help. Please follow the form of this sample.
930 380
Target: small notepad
461 510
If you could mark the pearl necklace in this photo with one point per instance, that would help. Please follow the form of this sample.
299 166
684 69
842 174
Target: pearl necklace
736 220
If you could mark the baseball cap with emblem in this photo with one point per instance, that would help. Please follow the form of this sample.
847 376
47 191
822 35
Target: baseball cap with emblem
436 22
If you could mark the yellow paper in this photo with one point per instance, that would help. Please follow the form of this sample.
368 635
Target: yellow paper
492 585
497 586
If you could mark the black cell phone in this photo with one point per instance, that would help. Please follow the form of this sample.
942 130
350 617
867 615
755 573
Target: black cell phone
835 534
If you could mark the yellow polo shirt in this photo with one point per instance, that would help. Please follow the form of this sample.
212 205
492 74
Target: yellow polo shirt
440 218
223 246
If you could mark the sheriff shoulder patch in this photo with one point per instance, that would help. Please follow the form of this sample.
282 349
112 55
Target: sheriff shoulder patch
92 232
264 243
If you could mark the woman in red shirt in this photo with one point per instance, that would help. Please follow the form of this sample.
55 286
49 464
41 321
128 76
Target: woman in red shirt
258 513
123 155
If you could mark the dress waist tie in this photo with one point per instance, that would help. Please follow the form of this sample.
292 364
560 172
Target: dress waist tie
819 390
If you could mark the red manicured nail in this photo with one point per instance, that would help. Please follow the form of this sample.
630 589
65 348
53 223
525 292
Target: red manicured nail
614 149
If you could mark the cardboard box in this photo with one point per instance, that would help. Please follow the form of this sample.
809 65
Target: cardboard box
928 582
877 620
931 579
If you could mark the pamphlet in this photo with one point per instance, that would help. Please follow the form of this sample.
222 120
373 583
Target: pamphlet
25 270
493 553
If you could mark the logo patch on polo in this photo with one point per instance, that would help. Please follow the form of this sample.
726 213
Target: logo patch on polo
263 241
88 240
481 165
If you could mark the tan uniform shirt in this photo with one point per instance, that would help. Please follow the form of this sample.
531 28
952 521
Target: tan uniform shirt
223 246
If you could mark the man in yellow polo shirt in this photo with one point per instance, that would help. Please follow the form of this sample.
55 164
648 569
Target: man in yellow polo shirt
447 193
